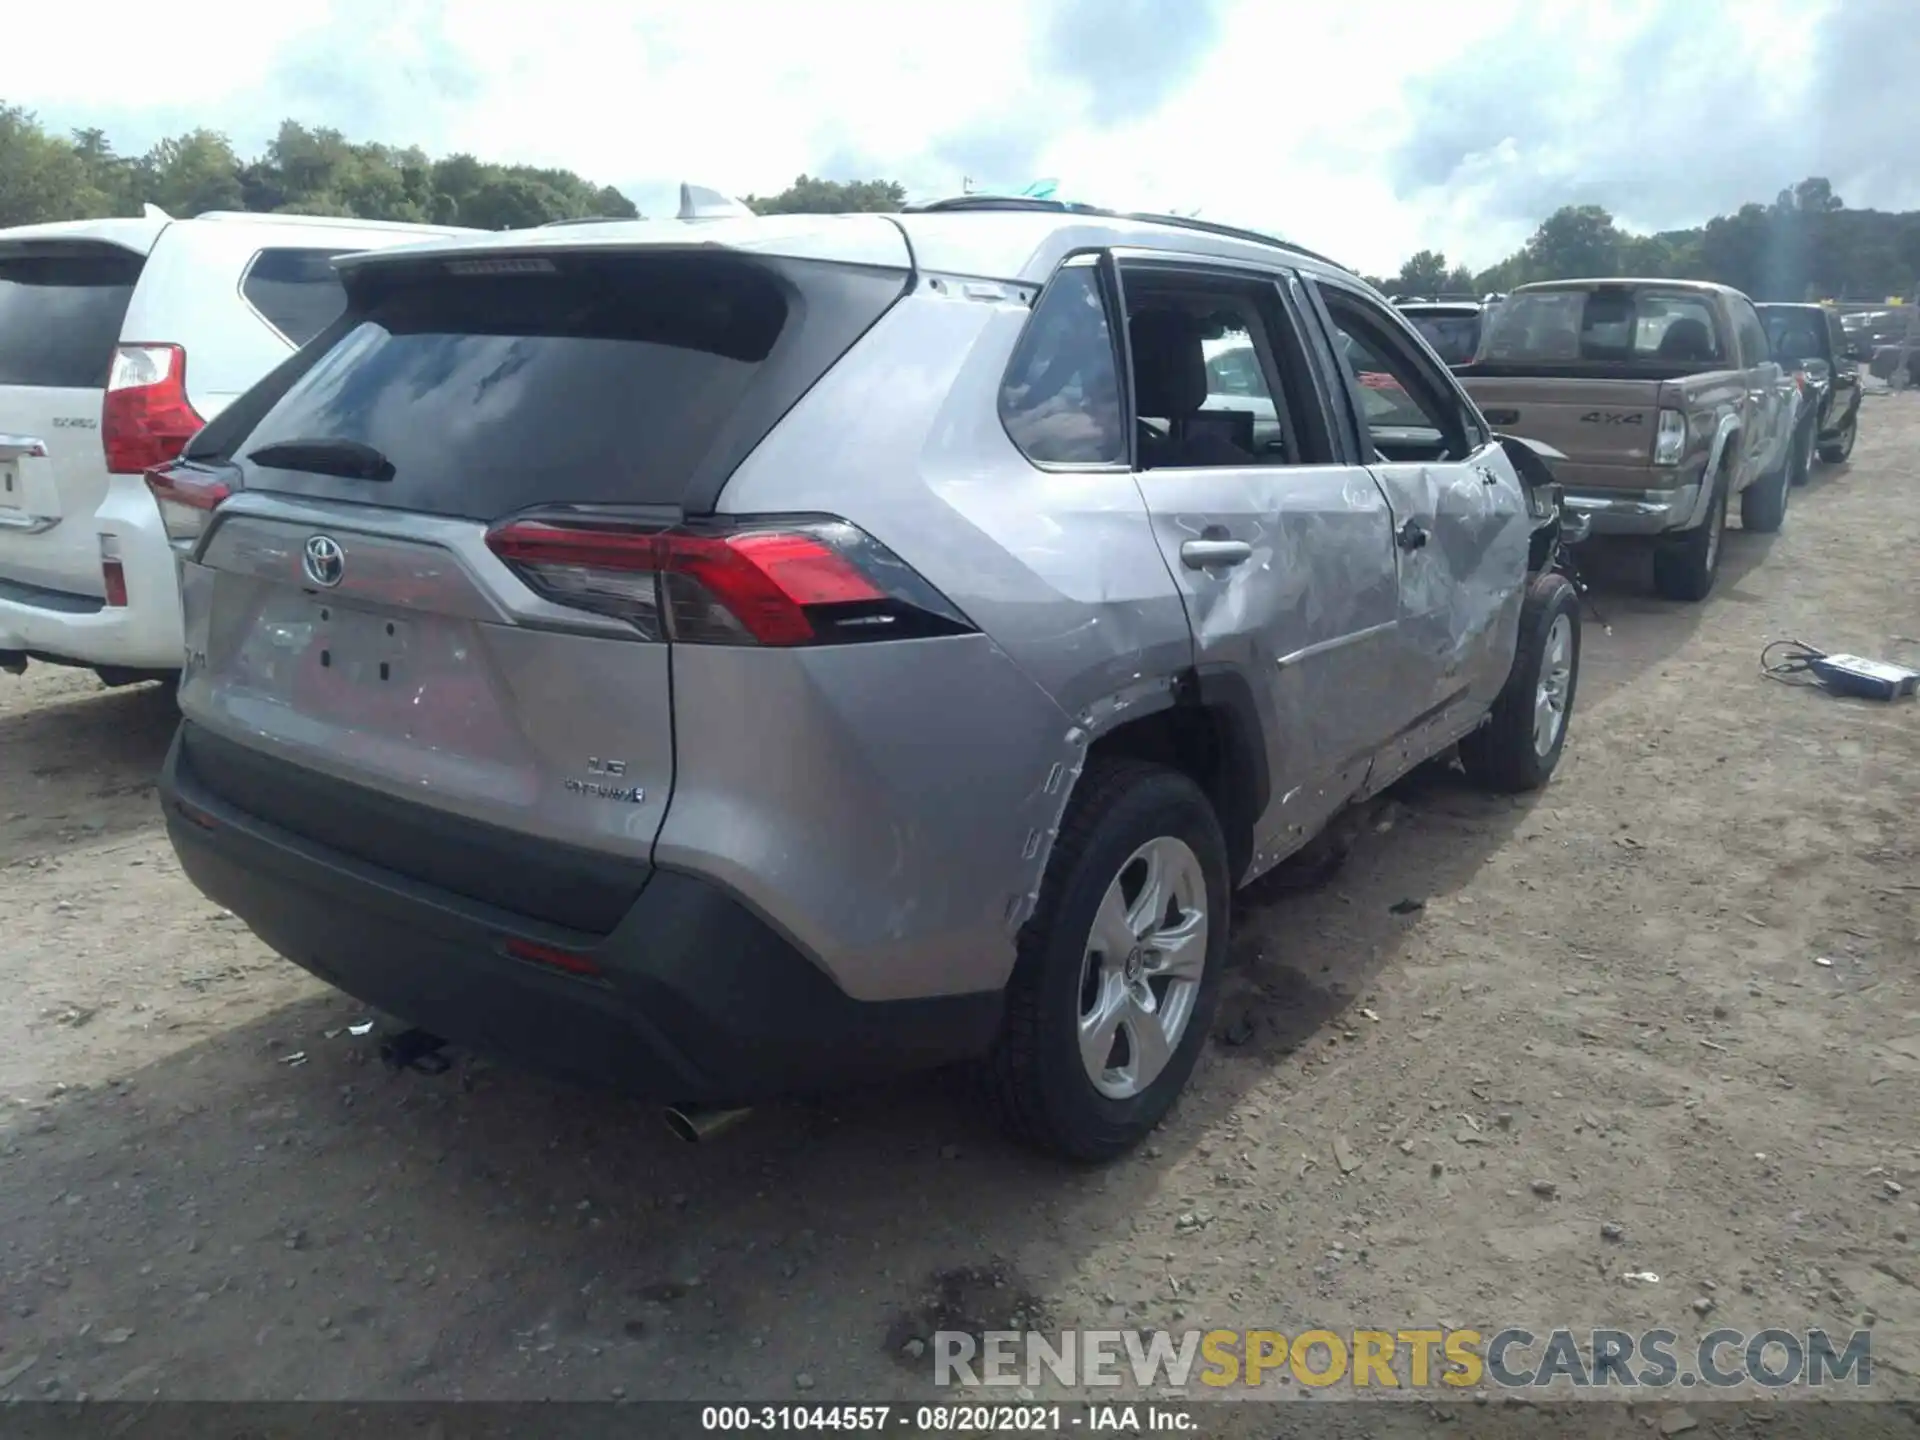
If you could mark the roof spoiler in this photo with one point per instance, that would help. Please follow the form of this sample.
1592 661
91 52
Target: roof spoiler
697 202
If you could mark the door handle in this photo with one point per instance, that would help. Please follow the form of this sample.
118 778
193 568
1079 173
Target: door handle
1412 536
1487 477
1201 554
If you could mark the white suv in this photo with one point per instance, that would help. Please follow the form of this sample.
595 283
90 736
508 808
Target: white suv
118 340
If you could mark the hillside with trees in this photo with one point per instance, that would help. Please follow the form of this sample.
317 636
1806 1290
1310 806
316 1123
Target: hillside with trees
303 172
1805 245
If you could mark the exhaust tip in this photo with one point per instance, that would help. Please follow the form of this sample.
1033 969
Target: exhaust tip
693 1125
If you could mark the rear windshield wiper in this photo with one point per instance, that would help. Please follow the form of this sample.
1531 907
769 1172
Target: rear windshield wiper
349 459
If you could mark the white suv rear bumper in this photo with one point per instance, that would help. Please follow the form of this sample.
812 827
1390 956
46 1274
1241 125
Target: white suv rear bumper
144 634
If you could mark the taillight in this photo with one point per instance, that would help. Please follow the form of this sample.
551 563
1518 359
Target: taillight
1670 438
187 497
145 419
808 582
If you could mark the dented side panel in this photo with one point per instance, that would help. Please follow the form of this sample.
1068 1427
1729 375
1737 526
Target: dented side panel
1309 616
1459 591
1058 566
887 807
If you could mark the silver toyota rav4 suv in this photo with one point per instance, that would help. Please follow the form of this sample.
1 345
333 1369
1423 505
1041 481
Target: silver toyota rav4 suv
721 659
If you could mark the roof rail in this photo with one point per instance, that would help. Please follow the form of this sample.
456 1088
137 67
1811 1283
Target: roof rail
275 217
1068 207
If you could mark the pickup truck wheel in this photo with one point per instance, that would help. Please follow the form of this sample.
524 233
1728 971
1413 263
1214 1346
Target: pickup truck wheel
1836 450
1763 504
1684 568
1520 744
1118 970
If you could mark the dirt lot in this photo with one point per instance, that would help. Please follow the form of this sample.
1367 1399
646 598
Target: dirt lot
1676 993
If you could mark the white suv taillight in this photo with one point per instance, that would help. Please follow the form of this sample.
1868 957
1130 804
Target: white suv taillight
146 419
187 497
1670 440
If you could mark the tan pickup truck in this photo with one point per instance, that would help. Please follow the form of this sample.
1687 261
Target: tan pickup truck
1665 399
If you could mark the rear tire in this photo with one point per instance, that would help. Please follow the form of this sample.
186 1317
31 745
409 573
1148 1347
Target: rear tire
1520 745
1684 568
1763 504
1836 450
1041 1074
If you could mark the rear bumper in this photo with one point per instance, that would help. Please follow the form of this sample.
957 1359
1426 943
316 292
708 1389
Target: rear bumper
44 617
696 1000
1635 512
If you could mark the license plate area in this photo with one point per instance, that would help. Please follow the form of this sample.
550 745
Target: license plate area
12 487
358 647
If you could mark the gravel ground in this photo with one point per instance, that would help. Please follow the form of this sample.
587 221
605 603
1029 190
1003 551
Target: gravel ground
1671 1000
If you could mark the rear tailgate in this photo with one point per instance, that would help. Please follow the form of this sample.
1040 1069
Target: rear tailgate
408 659
61 306
1605 428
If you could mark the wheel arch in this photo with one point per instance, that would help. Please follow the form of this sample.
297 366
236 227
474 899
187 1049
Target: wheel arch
1209 729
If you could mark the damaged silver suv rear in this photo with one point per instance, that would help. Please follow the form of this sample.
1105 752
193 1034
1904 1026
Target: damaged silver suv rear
727 660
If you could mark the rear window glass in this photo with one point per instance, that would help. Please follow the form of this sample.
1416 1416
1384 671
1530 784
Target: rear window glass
1060 400
1795 334
60 315
296 290
1454 338
607 381
1608 324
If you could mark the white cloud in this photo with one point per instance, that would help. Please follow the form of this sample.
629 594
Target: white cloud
1367 131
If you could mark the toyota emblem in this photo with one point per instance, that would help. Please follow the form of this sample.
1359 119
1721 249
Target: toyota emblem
324 561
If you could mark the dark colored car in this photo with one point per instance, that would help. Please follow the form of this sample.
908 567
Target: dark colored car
1810 340
1452 327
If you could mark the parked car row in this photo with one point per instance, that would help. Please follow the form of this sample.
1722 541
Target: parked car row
1666 400
817 647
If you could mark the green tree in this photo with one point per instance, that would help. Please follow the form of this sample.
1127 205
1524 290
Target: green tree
809 195
512 202
1575 240
1425 273
41 177
192 173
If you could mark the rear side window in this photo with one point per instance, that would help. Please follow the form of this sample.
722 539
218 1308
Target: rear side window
296 290
495 384
1060 400
60 314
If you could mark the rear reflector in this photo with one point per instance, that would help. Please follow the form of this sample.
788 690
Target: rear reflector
569 961
807 582
187 496
113 576
145 419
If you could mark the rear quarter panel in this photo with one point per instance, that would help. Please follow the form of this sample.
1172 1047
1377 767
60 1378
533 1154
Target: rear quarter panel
1083 629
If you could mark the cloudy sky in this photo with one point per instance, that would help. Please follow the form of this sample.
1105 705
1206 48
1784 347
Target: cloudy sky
1366 129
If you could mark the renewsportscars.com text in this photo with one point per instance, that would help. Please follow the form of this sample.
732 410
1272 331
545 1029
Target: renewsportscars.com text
1510 1358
